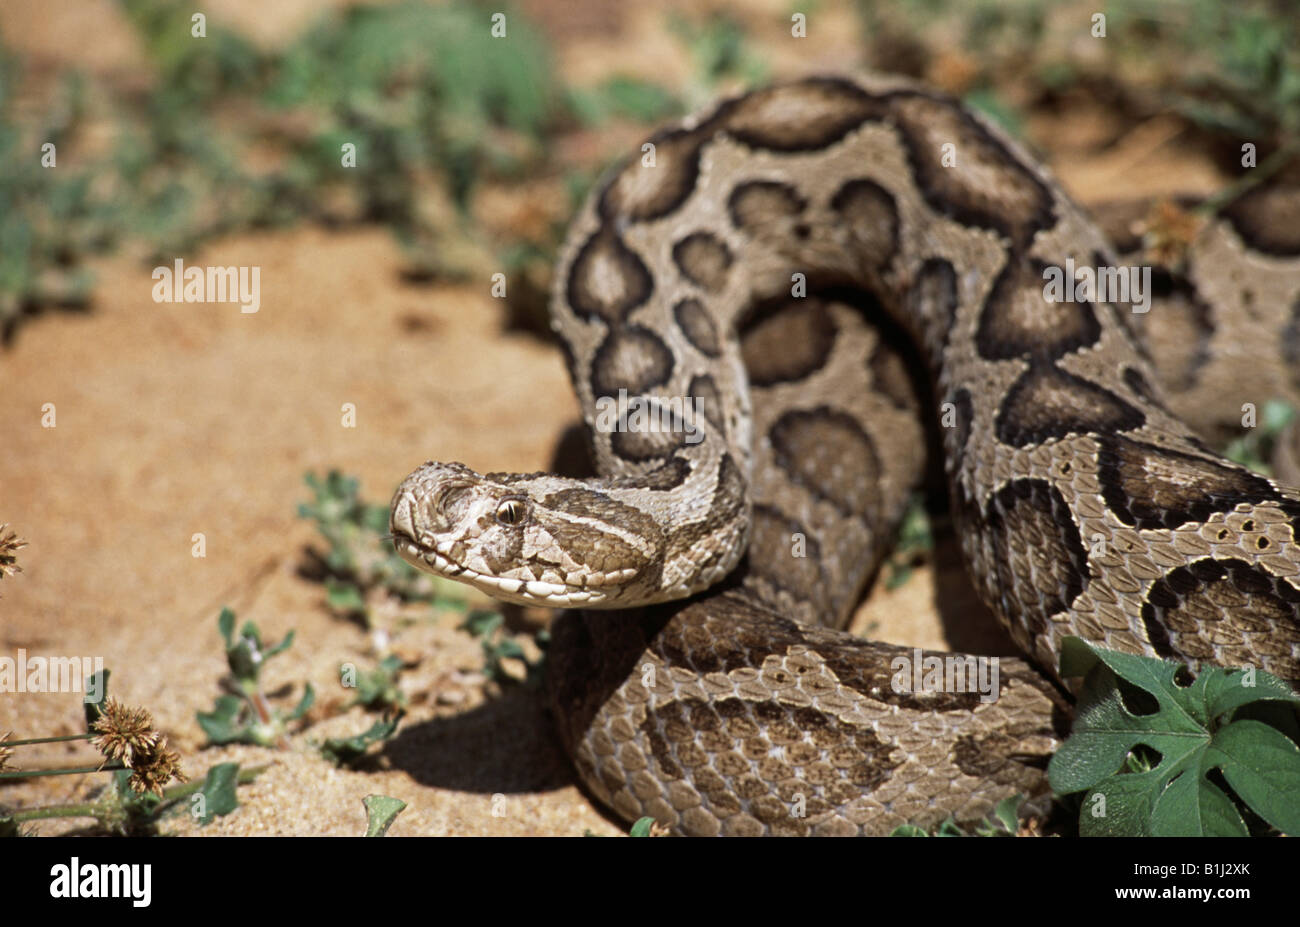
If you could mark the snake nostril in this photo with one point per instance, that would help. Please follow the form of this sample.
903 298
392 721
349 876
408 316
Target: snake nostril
442 508
431 511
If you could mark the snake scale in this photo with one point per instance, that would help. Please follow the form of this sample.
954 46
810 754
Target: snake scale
749 272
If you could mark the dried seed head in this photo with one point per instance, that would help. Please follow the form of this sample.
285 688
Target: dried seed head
153 770
1169 231
121 729
127 734
9 543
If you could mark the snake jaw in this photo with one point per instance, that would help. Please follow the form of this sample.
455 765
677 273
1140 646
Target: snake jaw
522 592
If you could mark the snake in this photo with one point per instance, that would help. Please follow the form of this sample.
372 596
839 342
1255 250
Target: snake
774 314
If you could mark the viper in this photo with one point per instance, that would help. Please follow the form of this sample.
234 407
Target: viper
801 281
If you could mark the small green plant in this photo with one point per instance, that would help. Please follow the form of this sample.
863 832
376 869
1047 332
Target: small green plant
120 810
248 717
390 114
914 541
342 517
414 86
1254 92
364 570
201 72
499 646
141 765
381 811
361 562
623 97
642 827
125 736
993 105
1002 822
50 217
721 49
346 751
1255 447
377 689
1160 752
219 793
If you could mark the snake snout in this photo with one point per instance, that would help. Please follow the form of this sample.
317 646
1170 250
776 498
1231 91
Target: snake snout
401 518
431 501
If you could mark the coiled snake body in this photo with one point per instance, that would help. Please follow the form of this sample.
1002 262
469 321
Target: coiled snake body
733 273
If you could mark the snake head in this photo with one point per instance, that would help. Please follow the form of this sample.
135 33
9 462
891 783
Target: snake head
528 538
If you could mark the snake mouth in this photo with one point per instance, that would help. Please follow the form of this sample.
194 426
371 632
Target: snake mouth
425 558
509 589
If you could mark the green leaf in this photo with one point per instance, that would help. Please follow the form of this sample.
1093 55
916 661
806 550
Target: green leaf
218 791
915 531
280 647
642 827
908 830
993 106
344 750
949 828
95 682
1188 808
222 724
1276 415
226 625
304 703
9 828
381 811
377 688
1263 767
1149 762
898 575
1227 691
344 596
626 97
508 648
1123 813
481 622
1005 813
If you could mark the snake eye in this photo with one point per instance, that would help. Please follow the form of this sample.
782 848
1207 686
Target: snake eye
512 512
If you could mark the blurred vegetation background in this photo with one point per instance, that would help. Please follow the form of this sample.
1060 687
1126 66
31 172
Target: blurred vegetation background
474 150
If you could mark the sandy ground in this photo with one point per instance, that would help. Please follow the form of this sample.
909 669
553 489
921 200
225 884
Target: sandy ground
172 420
